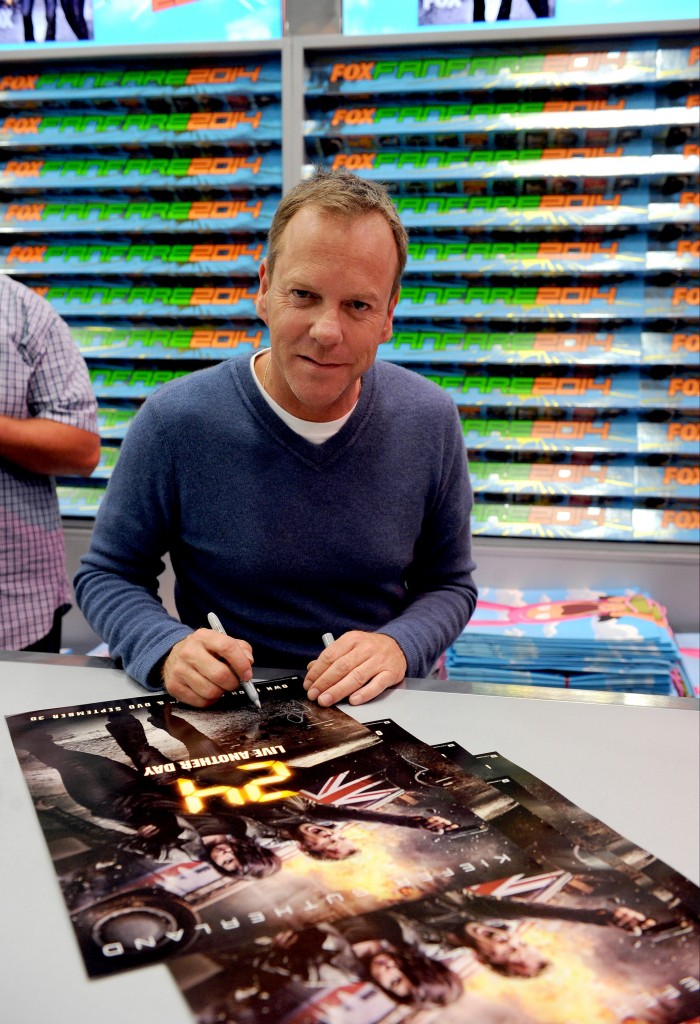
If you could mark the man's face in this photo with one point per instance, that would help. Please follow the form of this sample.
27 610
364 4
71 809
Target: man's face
325 841
328 306
501 948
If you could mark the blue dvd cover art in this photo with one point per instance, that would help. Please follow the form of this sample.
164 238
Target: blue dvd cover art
581 638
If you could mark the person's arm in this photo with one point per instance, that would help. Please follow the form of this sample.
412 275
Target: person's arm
117 584
333 812
361 665
48 418
48 447
620 916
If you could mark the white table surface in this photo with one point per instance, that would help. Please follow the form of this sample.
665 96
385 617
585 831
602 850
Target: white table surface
632 761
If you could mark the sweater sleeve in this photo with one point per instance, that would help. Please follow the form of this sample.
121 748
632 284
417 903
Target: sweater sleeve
442 593
117 584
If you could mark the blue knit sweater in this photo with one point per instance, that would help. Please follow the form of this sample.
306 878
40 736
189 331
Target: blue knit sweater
284 539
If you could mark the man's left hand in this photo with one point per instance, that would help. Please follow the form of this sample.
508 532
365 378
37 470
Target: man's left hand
358 666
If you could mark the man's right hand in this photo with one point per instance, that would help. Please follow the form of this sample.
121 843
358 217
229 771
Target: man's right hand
205 665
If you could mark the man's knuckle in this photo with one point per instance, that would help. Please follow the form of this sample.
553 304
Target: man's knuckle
220 675
357 676
344 665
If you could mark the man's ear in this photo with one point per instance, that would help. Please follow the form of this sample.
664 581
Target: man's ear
388 328
263 289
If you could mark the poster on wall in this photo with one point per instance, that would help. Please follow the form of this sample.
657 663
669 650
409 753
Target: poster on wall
363 17
49 21
438 13
46 23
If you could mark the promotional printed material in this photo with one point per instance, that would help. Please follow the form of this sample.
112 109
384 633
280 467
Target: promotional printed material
174 828
292 865
42 24
615 640
587 833
362 18
563 942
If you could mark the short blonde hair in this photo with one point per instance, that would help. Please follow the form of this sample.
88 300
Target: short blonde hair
340 194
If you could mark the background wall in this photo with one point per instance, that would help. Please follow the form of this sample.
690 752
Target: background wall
671 572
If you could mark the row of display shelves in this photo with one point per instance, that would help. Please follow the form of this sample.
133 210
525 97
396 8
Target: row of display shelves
592 475
670 389
668 297
540 203
552 287
619 344
596 251
557 433
456 68
453 67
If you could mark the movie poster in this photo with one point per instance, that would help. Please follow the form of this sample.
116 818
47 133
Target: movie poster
587 940
294 866
46 23
438 13
174 828
528 949
363 18
591 839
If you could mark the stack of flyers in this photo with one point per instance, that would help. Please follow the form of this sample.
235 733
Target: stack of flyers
618 640
689 646
295 866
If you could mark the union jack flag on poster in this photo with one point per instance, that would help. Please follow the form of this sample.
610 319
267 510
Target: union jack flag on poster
365 791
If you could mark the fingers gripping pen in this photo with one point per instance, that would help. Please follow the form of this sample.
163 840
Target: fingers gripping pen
248 686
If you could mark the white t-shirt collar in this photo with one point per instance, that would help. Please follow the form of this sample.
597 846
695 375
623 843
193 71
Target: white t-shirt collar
316 433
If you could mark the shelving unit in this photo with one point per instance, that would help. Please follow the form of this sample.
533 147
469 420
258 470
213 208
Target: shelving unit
551 189
142 217
551 193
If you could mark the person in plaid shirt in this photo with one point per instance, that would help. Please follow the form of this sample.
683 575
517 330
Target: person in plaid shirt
48 427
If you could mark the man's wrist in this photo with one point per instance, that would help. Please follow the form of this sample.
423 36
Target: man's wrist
156 677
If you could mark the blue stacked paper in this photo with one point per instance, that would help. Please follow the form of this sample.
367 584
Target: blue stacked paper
689 646
616 640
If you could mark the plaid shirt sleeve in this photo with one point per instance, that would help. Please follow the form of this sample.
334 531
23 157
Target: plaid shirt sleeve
58 385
